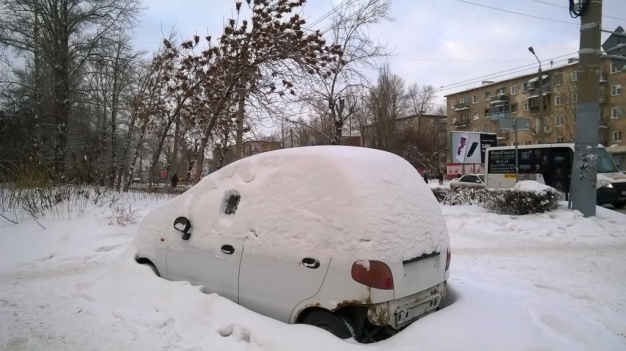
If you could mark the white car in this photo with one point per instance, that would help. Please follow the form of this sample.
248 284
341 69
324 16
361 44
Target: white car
475 181
344 238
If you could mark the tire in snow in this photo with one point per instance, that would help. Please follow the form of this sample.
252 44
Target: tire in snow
333 323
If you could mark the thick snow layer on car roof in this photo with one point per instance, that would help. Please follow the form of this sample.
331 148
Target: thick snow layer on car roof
532 186
348 203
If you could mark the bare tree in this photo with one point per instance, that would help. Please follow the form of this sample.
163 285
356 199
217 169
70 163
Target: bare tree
62 35
349 28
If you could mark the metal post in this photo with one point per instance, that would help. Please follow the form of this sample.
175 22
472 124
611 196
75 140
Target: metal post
542 128
516 153
587 112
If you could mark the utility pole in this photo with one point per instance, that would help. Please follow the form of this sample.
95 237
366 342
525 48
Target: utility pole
542 128
584 172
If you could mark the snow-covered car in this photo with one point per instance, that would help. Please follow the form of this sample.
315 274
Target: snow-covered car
344 238
475 181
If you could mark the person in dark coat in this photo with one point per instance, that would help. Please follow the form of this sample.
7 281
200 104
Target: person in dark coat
174 180
426 177
440 178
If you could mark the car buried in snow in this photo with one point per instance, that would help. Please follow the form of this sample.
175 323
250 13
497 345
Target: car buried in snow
347 239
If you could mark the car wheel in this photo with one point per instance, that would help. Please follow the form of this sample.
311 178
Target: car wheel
333 323
619 204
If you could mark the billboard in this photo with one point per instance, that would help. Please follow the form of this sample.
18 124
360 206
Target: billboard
468 147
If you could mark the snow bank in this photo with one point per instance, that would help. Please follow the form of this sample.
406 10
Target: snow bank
346 202
539 282
532 186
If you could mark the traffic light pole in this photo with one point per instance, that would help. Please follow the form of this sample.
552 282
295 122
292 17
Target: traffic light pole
587 112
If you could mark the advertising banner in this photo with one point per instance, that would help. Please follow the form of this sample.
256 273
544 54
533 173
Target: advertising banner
469 148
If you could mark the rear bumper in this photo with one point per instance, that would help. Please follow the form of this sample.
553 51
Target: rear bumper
402 312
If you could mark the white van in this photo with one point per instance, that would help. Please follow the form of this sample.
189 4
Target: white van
551 164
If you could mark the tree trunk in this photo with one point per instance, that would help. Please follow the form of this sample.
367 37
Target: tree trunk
123 166
131 170
203 143
174 157
239 123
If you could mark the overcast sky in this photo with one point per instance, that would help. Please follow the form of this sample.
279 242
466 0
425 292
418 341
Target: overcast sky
437 42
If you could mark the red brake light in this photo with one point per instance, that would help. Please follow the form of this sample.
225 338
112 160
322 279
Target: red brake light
377 275
448 259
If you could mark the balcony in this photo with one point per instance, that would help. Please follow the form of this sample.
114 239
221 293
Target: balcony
536 130
462 106
503 134
463 122
603 78
495 116
499 98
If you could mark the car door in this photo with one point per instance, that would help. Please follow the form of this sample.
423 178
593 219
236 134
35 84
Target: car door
273 287
468 181
216 268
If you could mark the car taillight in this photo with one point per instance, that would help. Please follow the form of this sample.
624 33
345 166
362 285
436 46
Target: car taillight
376 274
448 259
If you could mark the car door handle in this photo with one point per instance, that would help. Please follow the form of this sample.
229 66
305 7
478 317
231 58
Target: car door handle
310 263
228 249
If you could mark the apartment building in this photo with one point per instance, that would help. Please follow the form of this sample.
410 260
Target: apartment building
480 109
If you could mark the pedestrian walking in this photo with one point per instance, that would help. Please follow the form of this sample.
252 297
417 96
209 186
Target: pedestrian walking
426 177
440 178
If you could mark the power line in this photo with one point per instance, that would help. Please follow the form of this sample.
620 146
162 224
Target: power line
566 7
326 15
493 75
517 13
453 60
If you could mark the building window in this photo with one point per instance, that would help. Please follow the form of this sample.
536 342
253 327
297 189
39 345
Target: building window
486 113
617 135
525 106
557 100
476 115
614 68
574 98
616 112
560 139
452 103
501 91
557 79
487 95
616 89
476 130
475 99
528 143
487 129
514 90
513 107
558 121
574 76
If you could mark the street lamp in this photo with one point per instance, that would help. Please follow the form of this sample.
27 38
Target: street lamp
540 82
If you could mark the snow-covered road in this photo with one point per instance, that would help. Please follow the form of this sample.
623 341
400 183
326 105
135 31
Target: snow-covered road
548 282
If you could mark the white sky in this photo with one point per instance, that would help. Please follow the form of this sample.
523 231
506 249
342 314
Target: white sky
437 42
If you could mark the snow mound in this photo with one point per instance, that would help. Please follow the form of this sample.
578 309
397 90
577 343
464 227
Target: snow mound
532 186
348 203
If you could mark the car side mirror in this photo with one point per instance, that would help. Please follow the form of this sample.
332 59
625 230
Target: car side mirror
183 225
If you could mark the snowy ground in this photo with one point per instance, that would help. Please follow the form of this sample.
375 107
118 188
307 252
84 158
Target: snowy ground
543 282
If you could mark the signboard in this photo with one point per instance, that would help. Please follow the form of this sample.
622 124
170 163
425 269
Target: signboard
470 147
554 164
502 161
454 169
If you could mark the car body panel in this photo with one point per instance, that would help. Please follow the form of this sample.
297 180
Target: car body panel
468 181
272 286
215 270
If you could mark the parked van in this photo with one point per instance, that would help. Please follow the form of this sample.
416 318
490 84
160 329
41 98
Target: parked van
551 164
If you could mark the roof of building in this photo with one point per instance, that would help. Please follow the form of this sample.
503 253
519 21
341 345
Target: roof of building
532 75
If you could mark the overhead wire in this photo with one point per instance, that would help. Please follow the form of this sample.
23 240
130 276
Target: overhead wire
517 13
567 7
499 73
